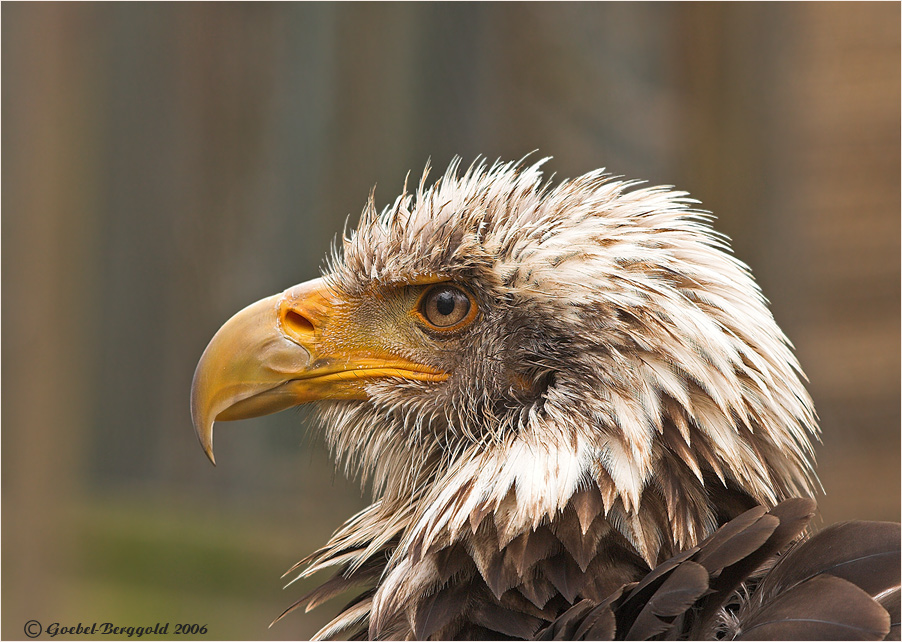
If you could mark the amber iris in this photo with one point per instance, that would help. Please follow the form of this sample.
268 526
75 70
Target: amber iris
446 307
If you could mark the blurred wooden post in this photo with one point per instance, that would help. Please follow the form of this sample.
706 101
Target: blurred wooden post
49 206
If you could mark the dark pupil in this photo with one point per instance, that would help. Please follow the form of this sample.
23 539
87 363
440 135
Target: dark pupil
445 303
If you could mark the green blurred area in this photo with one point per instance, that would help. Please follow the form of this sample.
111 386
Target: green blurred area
166 164
142 557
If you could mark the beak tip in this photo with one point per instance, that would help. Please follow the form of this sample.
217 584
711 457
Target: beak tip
204 431
205 437
200 417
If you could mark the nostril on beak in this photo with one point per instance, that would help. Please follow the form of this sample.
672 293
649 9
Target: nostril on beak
297 324
302 309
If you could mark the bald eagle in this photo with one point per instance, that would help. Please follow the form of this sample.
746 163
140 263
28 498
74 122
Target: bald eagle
577 416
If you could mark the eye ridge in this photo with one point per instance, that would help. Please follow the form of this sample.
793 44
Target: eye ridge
446 307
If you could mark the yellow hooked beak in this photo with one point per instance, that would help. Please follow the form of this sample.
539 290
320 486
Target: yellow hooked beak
298 346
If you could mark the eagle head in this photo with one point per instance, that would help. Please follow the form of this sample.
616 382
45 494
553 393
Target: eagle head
493 345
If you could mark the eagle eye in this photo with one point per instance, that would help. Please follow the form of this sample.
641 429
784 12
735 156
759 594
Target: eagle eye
446 307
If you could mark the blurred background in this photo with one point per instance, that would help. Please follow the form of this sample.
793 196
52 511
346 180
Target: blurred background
164 165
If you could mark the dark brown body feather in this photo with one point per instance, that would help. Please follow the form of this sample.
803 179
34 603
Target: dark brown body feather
841 584
755 578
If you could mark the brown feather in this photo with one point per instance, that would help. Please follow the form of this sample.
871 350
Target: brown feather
501 575
600 624
506 524
678 592
823 607
515 601
737 539
538 545
451 561
794 516
890 601
565 627
438 610
864 553
477 515
538 590
483 548
563 572
588 504
583 546
494 617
